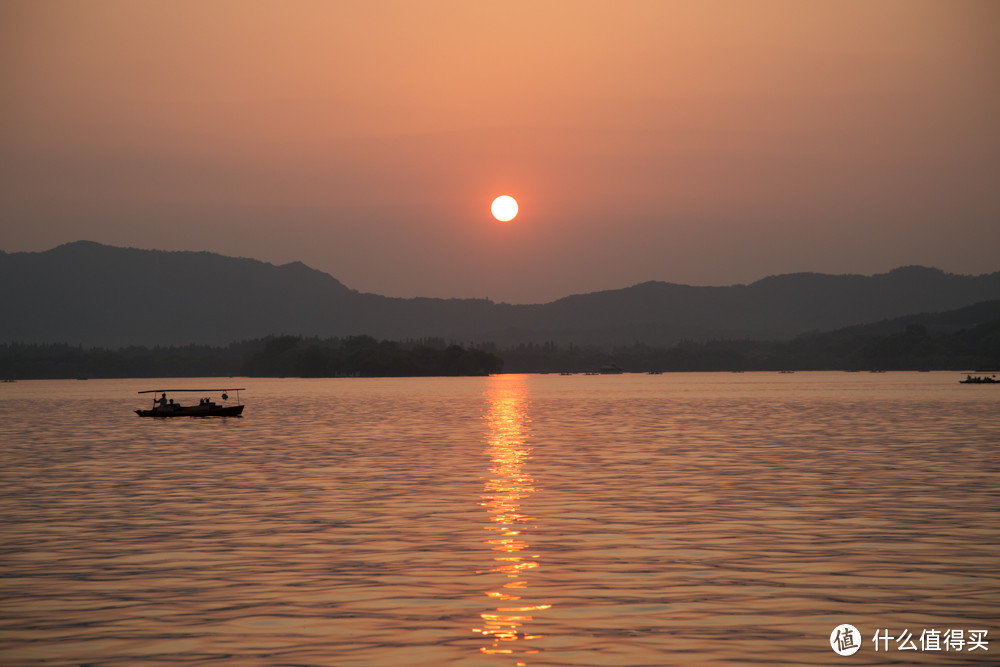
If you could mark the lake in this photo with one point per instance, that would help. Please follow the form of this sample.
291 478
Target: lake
686 518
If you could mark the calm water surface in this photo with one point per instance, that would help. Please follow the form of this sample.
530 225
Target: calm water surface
501 521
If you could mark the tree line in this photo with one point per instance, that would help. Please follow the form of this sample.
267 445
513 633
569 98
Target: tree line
275 356
911 346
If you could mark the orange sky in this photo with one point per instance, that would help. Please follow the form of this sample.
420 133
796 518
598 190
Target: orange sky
708 142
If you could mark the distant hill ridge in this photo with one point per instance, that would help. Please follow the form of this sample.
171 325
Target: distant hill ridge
98 295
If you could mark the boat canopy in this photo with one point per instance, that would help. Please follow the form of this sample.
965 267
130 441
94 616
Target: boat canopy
166 391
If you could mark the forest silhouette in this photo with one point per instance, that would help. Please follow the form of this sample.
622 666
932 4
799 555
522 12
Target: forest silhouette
922 342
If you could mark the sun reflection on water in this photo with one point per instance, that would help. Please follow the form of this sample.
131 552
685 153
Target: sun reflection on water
505 488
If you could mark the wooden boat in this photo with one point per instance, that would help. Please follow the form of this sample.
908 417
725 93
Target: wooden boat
206 407
979 380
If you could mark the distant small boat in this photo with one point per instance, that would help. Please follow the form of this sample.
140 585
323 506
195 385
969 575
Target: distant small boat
206 407
611 369
980 380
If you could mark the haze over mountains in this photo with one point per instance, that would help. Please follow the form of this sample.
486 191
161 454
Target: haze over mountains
97 295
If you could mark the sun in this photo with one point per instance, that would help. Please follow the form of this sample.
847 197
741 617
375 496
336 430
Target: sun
504 208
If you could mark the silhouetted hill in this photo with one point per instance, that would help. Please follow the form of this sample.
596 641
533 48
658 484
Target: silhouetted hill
776 307
964 339
96 295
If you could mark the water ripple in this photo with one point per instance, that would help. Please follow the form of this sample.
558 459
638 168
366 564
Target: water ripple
628 520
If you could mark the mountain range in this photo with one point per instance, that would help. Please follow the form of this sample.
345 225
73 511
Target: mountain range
85 293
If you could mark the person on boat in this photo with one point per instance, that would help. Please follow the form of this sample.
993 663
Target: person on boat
163 400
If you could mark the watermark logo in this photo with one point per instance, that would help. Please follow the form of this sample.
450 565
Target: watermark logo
845 639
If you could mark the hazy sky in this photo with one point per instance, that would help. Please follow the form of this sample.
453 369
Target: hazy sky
703 142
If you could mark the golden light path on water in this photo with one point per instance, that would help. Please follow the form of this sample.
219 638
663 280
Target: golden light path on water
507 626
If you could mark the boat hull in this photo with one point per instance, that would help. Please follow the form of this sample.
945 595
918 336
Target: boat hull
193 411
980 380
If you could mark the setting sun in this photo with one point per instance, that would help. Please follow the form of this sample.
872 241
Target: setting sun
504 208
